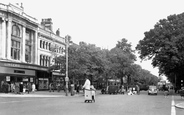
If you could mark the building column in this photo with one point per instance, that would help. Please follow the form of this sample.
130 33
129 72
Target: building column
3 38
8 55
23 46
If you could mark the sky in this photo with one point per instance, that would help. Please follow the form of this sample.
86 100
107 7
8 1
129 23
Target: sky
103 22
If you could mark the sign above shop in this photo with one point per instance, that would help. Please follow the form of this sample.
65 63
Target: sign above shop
20 65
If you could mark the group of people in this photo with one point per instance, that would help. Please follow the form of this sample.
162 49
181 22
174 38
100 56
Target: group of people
133 90
17 87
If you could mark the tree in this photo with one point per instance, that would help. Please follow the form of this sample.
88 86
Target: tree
122 57
164 44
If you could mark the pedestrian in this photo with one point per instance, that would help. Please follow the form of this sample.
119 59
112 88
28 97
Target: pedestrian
21 87
93 90
86 86
77 87
51 87
33 87
166 91
129 92
28 87
138 89
58 87
72 88
17 88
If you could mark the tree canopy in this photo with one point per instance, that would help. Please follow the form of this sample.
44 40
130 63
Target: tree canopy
117 63
164 44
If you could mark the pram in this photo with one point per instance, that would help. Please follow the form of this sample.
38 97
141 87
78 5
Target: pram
89 95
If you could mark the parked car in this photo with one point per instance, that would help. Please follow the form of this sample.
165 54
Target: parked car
152 90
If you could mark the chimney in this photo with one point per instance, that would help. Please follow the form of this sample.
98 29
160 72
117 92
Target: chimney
47 23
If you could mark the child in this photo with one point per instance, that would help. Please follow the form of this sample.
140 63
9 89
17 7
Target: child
92 92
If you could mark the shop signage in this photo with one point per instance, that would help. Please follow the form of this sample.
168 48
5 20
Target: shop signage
7 64
25 79
7 78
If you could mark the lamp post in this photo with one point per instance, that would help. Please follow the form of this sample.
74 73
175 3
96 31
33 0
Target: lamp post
66 78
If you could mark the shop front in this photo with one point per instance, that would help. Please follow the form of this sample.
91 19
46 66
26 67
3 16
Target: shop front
15 75
11 72
58 79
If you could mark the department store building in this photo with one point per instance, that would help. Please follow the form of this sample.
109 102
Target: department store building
27 47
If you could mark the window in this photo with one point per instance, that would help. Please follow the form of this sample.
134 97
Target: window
28 47
15 49
59 49
40 43
49 46
15 31
41 60
43 44
46 45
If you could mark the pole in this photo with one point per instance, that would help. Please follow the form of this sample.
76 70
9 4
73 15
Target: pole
66 78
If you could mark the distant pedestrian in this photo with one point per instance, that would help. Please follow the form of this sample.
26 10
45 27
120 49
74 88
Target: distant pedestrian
21 87
33 87
138 89
51 87
166 91
77 87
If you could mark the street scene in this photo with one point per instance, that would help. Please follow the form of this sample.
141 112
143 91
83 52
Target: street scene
98 57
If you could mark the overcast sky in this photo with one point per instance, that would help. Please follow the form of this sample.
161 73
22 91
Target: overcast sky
103 22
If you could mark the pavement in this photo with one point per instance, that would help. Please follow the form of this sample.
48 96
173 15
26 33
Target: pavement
40 94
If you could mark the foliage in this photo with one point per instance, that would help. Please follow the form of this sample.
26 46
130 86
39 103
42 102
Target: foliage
165 46
87 59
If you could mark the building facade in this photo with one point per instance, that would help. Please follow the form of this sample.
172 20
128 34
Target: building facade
28 48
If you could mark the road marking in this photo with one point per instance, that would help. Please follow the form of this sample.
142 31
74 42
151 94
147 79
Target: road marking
173 109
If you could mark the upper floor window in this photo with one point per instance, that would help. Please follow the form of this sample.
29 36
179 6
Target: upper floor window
15 31
15 49
40 43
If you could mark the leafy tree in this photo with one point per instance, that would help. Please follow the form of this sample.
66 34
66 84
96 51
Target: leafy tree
122 57
164 44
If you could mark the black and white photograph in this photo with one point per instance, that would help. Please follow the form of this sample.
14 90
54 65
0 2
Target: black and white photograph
91 57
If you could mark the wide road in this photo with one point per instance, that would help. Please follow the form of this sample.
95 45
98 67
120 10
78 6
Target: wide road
105 105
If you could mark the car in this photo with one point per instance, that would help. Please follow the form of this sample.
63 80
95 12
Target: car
152 90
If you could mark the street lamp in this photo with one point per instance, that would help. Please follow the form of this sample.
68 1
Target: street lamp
66 78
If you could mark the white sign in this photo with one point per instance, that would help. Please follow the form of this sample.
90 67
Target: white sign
7 78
